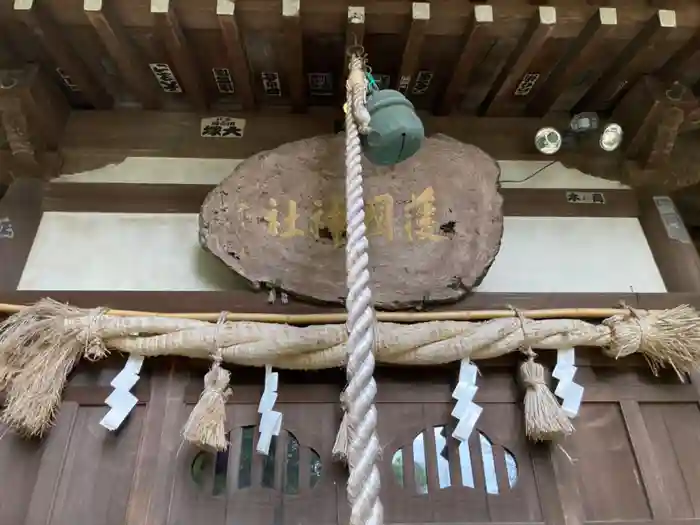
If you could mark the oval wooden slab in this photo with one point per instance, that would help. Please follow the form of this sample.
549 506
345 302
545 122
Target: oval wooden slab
434 221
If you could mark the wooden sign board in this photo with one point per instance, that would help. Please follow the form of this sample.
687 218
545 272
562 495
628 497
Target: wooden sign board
434 222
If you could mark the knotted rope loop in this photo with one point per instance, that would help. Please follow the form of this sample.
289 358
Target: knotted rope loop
217 379
525 347
629 332
356 86
94 348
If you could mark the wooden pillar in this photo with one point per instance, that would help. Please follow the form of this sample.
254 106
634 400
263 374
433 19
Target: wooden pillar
537 32
42 26
20 215
673 249
33 113
133 69
179 51
671 245
475 38
235 51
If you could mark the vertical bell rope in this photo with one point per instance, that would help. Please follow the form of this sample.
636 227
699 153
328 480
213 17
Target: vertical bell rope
363 450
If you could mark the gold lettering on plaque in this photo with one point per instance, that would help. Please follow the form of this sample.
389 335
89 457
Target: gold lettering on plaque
420 216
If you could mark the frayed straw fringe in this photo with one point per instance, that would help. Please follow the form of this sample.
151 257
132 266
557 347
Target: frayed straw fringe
663 337
206 426
545 420
37 353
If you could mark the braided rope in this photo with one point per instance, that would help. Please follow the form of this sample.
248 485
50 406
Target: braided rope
363 453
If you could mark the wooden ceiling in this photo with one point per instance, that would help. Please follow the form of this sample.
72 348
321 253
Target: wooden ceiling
496 58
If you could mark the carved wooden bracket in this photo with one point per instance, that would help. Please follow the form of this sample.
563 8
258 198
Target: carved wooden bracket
659 148
33 113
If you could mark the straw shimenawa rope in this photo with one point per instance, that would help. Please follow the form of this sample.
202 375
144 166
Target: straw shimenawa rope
206 426
363 485
40 345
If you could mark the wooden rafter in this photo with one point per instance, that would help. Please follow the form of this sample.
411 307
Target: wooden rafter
538 31
117 43
576 62
628 66
179 51
420 16
475 38
42 25
235 51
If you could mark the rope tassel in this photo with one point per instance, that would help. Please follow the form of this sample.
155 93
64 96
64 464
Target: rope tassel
545 419
206 426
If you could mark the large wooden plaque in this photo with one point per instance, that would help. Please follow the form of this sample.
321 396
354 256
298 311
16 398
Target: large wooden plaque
434 221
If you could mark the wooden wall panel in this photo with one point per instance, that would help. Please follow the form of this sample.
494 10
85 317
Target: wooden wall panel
631 458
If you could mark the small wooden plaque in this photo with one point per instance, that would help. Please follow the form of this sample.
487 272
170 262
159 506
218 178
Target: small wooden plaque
434 221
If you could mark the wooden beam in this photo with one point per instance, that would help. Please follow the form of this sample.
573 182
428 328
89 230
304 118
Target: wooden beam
293 53
420 16
577 60
475 36
109 136
235 51
168 27
81 197
244 301
537 32
118 133
627 67
123 52
20 215
42 25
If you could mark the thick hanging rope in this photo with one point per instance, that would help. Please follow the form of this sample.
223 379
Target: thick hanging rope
363 445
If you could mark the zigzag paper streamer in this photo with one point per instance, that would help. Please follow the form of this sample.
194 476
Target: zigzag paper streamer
570 393
465 410
270 420
121 401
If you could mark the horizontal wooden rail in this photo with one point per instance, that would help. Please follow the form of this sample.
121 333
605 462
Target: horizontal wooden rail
245 301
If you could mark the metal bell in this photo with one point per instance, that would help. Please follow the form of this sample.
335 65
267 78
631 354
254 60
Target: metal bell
396 131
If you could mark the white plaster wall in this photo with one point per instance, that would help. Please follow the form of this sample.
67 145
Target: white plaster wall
514 174
90 251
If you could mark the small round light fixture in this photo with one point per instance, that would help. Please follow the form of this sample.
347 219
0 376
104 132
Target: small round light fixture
7 82
548 140
611 137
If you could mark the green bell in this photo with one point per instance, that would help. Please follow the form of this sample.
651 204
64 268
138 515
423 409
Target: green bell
396 131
